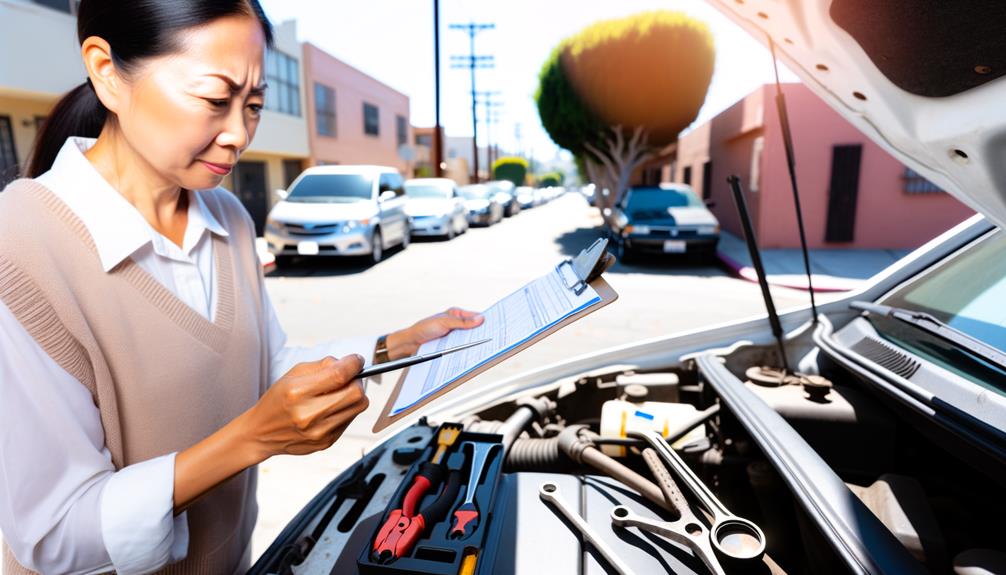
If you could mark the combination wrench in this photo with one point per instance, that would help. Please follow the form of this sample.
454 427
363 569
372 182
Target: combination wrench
549 493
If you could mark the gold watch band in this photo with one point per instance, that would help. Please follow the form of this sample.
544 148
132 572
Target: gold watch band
381 350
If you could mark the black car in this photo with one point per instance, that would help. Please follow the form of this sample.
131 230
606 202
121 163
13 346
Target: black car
666 219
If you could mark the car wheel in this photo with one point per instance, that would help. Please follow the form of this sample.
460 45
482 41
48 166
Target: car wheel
376 249
623 253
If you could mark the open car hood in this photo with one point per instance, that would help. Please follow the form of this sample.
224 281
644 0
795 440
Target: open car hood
925 79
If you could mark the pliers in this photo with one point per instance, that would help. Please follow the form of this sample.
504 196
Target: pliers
404 526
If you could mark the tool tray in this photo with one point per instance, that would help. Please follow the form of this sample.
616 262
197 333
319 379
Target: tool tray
435 552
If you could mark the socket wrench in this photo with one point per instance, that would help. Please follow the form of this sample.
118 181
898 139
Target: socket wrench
549 493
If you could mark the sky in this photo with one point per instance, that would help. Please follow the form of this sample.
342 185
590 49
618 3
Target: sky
392 40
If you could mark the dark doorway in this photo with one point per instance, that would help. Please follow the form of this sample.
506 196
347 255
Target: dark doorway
686 175
707 180
291 169
8 154
842 193
250 187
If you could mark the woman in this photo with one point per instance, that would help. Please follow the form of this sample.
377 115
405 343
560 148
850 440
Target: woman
142 369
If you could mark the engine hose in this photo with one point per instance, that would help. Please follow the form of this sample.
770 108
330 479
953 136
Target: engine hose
527 454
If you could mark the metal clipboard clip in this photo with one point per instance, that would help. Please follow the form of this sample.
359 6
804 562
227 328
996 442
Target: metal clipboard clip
576 273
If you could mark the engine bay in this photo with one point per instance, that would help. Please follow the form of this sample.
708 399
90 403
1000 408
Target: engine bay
715 464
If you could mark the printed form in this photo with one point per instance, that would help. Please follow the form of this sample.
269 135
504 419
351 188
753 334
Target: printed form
510 322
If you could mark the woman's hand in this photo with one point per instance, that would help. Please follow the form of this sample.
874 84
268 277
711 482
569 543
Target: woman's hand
308 408
406 342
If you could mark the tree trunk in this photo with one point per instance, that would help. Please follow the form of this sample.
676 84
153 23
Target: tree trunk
614 166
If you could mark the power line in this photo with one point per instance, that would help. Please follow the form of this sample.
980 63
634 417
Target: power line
473 61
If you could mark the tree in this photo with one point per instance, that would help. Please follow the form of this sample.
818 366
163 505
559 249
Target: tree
621 89
550 179
510 168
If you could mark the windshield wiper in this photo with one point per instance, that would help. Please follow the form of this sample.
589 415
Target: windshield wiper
931 325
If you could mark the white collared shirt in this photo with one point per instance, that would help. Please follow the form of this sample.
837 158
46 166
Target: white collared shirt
73 512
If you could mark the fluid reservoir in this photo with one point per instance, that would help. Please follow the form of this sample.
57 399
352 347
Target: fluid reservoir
618 417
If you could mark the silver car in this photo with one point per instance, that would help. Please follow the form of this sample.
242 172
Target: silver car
483 207
435 207
340 211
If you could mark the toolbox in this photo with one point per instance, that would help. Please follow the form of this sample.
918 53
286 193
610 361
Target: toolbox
437 522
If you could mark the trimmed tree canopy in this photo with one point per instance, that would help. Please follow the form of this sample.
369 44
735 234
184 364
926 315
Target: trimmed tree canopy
510 168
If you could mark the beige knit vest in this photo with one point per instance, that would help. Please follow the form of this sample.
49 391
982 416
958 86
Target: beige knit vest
162 376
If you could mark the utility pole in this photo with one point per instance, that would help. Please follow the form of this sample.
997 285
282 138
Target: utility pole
438 145
490 106
473 61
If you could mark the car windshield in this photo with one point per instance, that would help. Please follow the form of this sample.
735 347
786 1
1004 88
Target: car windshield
476 192
427 191
651 203
332 188
974 306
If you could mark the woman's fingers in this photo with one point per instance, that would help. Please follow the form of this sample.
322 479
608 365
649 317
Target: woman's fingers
464 318
328 374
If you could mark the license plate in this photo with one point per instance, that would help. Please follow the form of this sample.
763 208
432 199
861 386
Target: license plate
307 248
675 247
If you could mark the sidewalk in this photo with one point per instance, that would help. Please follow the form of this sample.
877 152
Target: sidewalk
833 270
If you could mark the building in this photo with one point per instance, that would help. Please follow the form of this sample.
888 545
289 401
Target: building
852 192
455 168
352 117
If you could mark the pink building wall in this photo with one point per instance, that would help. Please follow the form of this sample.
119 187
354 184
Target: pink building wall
351 145
887 217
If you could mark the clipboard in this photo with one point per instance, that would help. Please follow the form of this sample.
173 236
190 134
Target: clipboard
585 269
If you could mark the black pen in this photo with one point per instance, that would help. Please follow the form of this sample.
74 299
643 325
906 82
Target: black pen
413 360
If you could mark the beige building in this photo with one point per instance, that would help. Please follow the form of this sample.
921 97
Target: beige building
352 117
31 86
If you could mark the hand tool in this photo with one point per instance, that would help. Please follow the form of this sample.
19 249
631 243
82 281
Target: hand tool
734 538
549 493
686 530
400 532
405 525
467 516
414 359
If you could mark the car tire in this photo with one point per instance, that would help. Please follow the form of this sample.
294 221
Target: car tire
376 248
622 252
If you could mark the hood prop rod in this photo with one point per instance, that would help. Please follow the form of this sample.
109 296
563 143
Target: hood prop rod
752 242
787 138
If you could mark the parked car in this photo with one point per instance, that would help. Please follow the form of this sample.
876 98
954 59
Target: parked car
484 209
435 207
668 218
868 437
506 196
526 197
339 211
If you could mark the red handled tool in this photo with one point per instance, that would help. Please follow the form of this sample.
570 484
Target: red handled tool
466 517
400 532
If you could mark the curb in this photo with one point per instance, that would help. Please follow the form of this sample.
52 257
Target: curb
748 273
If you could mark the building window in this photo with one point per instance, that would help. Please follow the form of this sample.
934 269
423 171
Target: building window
424 140
284 83
402 130
8 155
915 183
757 148
371 120
324 110
686 177
707 180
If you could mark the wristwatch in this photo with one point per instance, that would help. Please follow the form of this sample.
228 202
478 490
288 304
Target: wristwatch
381 350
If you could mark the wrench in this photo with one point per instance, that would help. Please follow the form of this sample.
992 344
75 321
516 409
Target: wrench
549 493
734 537
467 516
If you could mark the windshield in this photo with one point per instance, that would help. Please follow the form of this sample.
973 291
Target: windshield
476 192
332 188
427 191
652 203
967 291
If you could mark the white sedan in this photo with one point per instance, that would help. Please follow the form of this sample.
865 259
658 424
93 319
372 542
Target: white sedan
435 208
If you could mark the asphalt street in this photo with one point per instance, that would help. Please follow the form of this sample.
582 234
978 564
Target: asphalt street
323 299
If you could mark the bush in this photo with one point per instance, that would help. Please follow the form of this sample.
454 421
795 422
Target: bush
550 179
510 168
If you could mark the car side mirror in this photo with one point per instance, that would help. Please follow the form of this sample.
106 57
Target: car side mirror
710 203
282 194
387 195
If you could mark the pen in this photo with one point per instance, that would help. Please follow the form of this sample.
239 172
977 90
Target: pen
413 360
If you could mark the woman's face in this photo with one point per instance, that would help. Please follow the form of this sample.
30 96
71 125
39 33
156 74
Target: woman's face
191 114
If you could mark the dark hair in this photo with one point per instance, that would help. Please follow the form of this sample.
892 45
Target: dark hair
134 30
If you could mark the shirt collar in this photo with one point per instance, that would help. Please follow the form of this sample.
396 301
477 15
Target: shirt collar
117 228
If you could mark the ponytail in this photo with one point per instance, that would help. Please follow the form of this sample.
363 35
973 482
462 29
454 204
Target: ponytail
78 113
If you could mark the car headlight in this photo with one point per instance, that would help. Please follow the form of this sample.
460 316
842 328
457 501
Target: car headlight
708 230
353 225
